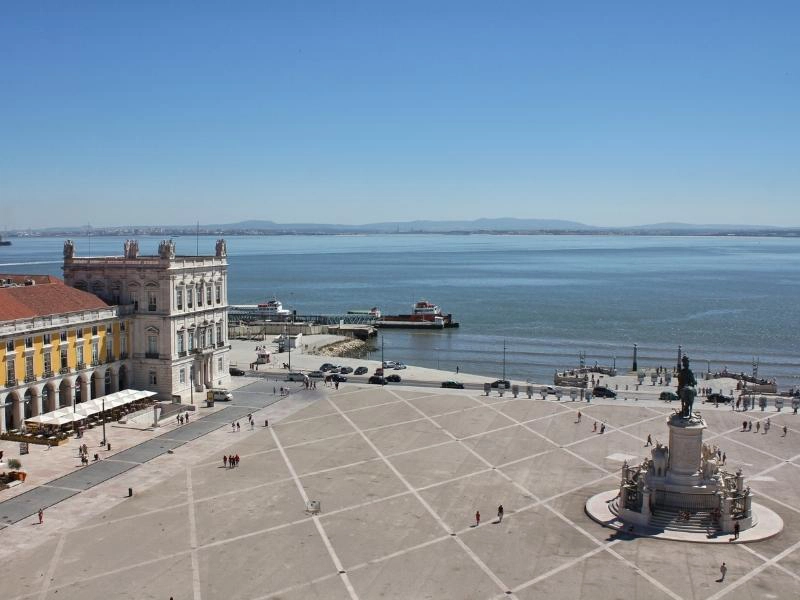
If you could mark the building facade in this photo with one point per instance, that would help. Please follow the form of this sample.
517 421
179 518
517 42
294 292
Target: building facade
58 346
178 309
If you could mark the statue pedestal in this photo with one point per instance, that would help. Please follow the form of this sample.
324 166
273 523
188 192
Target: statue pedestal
685 451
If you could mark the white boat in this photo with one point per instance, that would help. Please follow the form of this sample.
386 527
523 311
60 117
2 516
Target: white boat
273 309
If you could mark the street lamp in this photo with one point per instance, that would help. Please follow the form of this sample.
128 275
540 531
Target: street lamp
504 360
105 440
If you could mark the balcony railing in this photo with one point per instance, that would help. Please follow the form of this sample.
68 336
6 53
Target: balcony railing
11 382
30 378
47 373
64 370
182 353
97 362
151 355
80 366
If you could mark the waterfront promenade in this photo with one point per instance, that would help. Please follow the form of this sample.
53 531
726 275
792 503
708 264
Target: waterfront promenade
400 472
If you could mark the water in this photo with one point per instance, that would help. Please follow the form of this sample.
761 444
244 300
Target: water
726 300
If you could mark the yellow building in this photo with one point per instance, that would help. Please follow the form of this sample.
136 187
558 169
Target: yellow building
58 346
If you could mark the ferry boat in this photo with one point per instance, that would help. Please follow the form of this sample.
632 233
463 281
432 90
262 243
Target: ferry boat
273 310
373 312
4 242
424 315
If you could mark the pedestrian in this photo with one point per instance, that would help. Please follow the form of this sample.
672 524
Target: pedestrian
649 441
594 427
785 430
187 417
224 461
500 512
252 425
744 425
236 460
603 428
233 425
230 461
722 571
266 422
579 416
273 390
178 419
41 516
736 530
457 368
758 426
337 384
750 426
477 518
238 427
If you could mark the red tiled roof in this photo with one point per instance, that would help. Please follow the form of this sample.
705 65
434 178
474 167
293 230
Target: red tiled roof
51 297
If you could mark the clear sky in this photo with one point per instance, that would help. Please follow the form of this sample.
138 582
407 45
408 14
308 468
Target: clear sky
609 113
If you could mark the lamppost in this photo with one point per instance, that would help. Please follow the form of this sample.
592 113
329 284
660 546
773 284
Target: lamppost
105 440
504 360
191 382
635 366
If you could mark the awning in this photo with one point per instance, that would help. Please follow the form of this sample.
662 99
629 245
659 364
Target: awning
84 410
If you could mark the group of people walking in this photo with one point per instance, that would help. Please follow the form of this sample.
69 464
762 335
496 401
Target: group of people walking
230 461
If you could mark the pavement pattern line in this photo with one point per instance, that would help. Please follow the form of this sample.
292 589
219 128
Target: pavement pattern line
51 568
778 566
320 529
475 558
193 535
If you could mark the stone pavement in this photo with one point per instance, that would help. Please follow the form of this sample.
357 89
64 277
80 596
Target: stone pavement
400 472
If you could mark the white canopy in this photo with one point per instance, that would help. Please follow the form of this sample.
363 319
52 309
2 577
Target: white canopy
83 410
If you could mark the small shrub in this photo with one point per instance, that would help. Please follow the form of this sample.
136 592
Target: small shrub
14 464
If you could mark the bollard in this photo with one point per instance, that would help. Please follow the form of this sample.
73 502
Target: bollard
266 423
108 446
130 492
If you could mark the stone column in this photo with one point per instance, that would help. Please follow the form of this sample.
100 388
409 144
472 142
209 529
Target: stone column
52 398
86 389
36 401
3 399
685 449
16 412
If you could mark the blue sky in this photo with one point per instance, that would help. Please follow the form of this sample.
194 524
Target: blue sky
608 113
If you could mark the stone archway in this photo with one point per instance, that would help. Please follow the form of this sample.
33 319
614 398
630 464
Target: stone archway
97 386
49 397
29 399
123 378
13 416
66 394
82 388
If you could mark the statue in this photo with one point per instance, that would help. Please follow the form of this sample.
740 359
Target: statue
69 249
166 249
131 249
221 248
686 388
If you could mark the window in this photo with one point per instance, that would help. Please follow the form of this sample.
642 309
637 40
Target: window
191 341
189 297
123 345
135 300
29 342
182 376
10 346
219 294
109 350
220 339
207 338
28 368
122 326
94 329
63 336
152 378
152 346
152 301
219 365
208 295
11 372
179 299
63 358
79 352
199 296
48 363
48 339
180 342
95 353
79 334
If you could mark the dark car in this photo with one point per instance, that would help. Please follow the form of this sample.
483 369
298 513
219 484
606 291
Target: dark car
236 371
668 396
717 397
603 392
455 385
394 378
377 379
361 371
339 378
345 370
504 383
326 367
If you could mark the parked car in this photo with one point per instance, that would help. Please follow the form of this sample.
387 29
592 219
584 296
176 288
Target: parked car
389 364
399 367
453 385
504 383
668 396
394 378
717 397
236 371
361 371
326 367
377 379
603 392
219 395
295 377
345 370
339 378
316 375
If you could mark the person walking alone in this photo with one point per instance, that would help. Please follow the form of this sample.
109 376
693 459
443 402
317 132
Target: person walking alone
722 571
649 441
41 516
500 512
477 518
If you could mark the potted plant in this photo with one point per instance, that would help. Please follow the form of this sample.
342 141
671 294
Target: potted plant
14 465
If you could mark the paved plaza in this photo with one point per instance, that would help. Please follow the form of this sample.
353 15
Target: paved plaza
400 473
